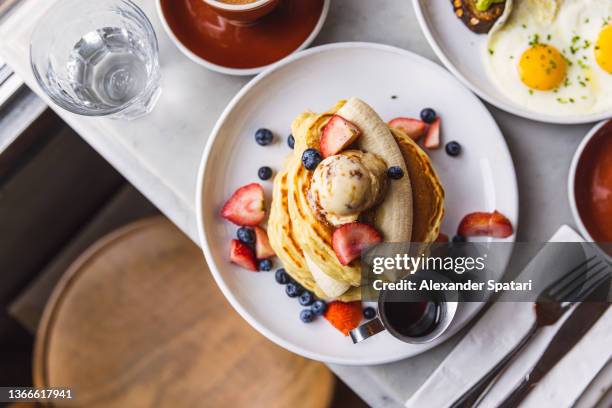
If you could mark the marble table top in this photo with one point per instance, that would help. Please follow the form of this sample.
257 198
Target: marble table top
160 153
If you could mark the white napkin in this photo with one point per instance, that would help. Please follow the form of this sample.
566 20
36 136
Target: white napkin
495 334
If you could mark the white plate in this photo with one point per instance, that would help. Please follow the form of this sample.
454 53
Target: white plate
461 51
483 178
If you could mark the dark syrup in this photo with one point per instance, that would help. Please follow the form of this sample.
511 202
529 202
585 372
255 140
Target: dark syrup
412 319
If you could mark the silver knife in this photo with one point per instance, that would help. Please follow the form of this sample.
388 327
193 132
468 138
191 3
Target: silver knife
573 329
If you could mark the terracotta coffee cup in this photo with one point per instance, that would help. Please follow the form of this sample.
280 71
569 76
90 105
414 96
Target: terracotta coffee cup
243 14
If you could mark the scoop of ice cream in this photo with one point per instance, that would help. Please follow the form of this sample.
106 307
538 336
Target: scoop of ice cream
347 184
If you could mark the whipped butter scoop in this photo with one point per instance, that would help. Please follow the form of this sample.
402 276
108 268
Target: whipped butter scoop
345 185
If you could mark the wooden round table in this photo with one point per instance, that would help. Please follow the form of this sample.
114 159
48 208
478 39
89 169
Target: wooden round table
137 321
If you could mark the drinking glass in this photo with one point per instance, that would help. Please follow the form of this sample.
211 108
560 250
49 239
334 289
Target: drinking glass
97 58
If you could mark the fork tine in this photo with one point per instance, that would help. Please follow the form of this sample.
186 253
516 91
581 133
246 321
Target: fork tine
585 292
577 286
569 277
574 286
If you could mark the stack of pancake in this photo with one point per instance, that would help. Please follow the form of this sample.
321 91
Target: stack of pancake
301 238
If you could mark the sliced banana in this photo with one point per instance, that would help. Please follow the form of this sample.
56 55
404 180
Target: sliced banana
393 216
331 287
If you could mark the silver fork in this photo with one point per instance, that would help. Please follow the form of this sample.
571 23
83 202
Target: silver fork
554 301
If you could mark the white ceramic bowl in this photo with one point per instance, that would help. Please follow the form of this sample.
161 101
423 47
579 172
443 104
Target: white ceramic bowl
237 71
571 180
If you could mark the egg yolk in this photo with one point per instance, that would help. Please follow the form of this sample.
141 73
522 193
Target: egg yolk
542 67
603 49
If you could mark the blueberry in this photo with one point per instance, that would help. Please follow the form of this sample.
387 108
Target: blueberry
291 141
311 158
428 115
369 313
281 276
293 289
264 173
459 238
318 307
263 136
395 172
307 316
265 265
306 298
453 148
246 235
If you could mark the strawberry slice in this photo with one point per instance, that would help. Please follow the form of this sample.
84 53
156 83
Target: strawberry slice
344 316
500 225
432 138
474 224
245 206
442 238
242 255
493 224
350 240
263 250
414 128
337 135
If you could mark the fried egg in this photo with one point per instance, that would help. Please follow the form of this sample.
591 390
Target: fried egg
554 57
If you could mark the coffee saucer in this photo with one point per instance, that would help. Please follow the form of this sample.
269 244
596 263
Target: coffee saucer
212 41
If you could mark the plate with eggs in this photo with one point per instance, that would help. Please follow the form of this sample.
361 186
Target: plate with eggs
546 60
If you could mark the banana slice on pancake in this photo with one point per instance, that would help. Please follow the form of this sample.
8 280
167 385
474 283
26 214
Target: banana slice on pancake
330 286
377 138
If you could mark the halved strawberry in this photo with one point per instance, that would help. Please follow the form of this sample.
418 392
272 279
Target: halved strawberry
474 224
263 250
337 135
344 316
442 238
245 206
350 240
242 255
500 225
414 128
493 224
432 138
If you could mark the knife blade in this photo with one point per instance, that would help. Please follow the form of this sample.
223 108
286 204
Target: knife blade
584 316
